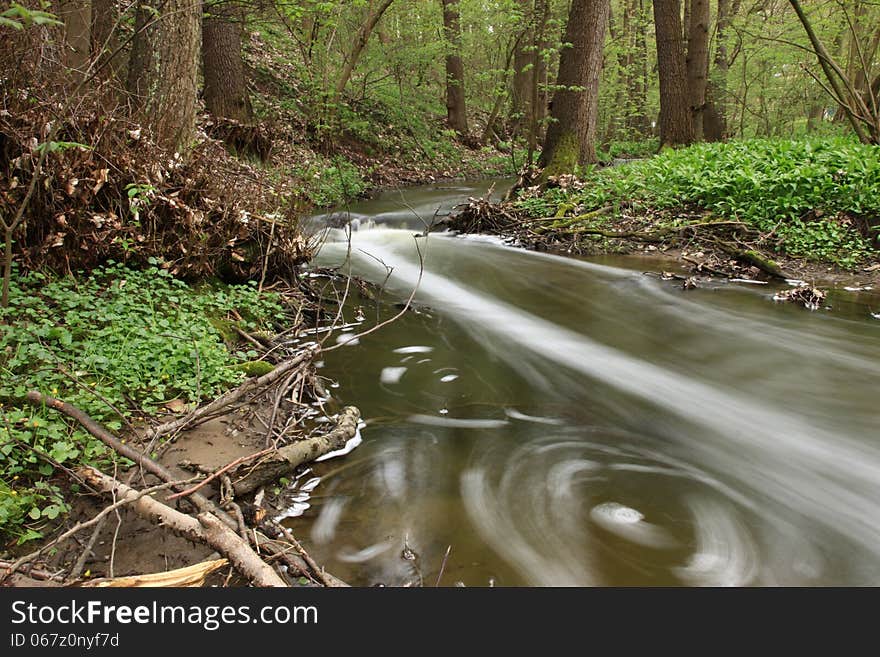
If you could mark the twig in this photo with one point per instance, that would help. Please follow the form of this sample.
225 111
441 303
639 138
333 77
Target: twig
443 566
224 469
316 569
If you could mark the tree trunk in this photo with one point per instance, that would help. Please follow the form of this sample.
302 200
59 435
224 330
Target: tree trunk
635 25
170 111
140 58
698 61
360 42
522 73
814 117
456 110
538 100
77 18
676 122
571 135
715 114
104 41
226 94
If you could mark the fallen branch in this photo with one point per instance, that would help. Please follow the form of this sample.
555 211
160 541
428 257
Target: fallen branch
206 529
201 502
217 473
204 412
18 563
190 576
285 460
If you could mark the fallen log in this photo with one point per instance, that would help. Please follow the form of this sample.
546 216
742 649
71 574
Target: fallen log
248 477
206 528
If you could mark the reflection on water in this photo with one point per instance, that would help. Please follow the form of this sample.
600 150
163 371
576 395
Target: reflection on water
565 422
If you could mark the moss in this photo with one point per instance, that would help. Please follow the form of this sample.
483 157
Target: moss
255 368
564 157
225 329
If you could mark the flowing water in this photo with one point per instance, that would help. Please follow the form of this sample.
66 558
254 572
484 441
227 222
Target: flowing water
561 421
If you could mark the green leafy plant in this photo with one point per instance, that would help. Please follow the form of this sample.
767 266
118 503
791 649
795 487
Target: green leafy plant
807 193
117 338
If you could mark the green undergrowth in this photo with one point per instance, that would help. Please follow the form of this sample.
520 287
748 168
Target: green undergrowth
810 198
133 340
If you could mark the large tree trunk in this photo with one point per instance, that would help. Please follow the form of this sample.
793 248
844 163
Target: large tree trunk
456 110
571 135
676 122
226 94
698 61
170 111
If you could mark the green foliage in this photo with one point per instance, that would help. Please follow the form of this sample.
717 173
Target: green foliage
806 193
332 183
18 17
628 149
133 339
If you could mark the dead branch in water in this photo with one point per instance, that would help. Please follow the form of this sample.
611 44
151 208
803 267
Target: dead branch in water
285 460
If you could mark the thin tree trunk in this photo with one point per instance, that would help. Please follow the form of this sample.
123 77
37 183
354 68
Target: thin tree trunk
715 114
360 42
698 61
676 122
225 93
456 109
571 135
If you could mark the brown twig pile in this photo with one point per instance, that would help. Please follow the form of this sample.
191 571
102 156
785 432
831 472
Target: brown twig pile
107 191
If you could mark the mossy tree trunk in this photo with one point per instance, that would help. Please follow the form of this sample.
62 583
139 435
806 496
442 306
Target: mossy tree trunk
571 135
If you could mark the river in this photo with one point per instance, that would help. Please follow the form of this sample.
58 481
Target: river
548 421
